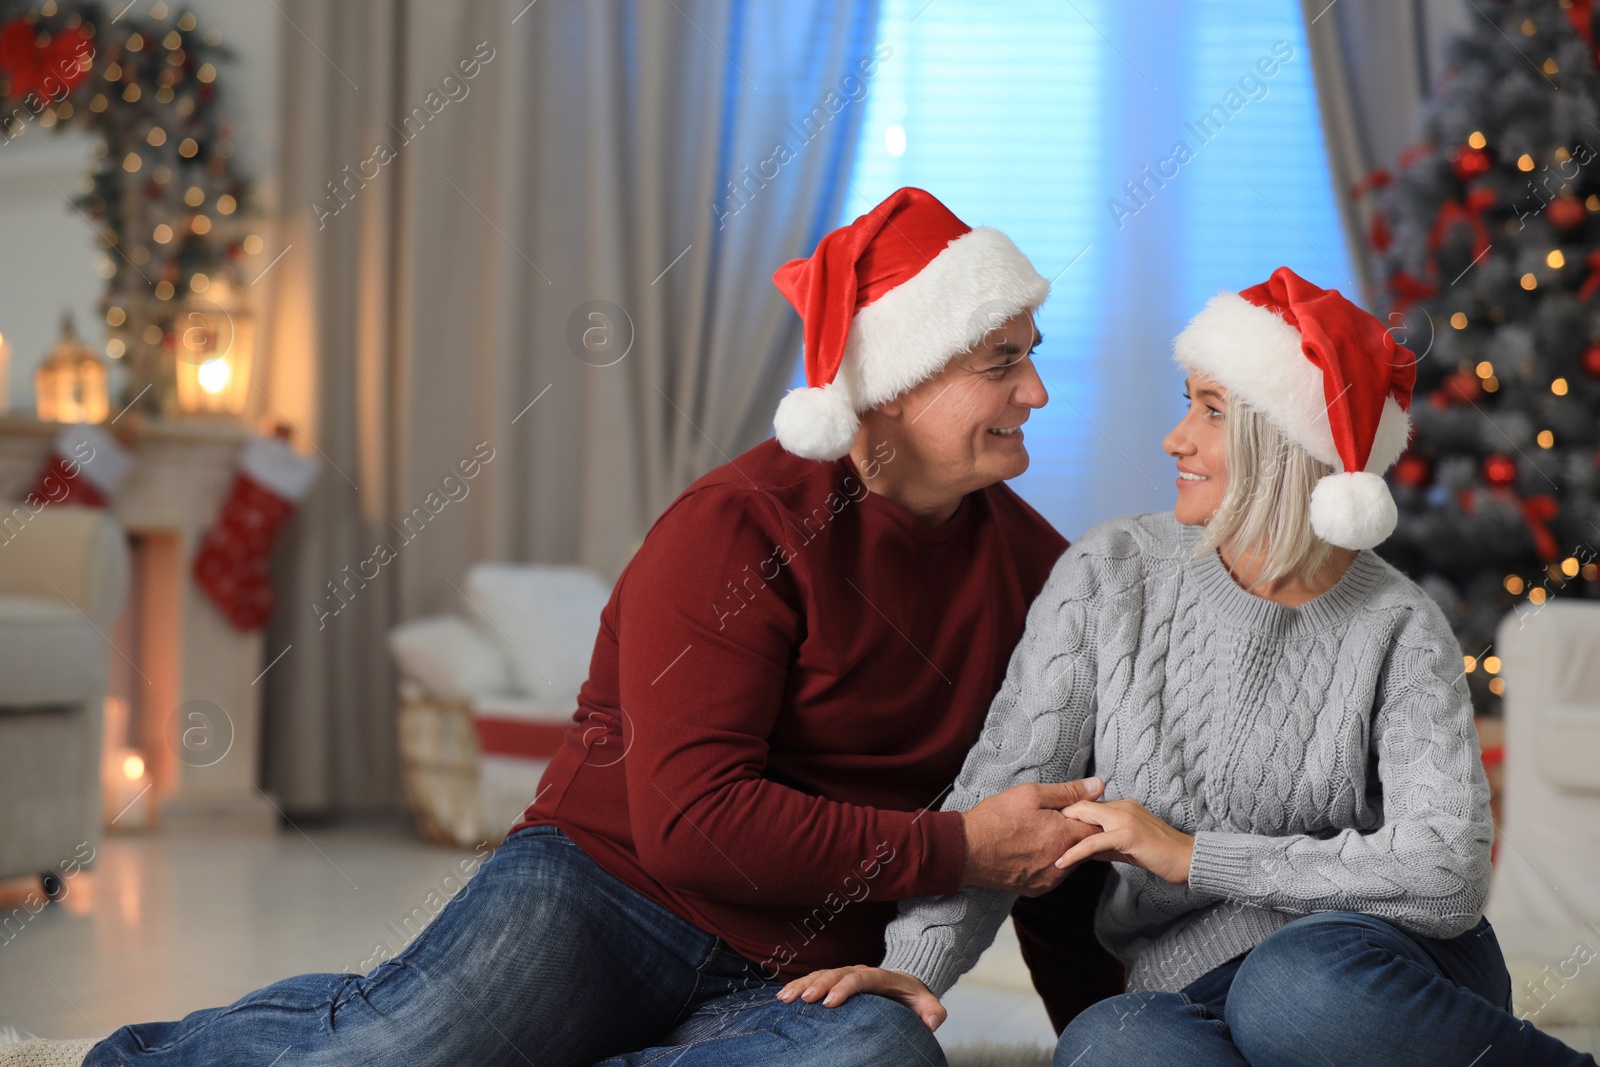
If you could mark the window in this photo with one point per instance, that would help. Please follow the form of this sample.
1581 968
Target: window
1059 122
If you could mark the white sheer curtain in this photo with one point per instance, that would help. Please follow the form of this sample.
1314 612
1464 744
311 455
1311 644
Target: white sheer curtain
439 300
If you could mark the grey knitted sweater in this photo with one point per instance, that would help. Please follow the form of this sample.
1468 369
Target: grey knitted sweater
1323 756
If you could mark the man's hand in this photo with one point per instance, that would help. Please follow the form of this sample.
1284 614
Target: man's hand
1015 837
1126 830
834 987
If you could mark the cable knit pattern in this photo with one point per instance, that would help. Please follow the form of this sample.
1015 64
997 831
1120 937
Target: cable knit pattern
1323 756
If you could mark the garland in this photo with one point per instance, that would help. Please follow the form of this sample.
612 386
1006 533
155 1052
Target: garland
168 205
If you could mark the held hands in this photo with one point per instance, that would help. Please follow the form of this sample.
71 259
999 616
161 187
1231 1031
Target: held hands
834 987
1013 837
1129 833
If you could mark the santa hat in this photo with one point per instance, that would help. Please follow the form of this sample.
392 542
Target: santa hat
887 300
1325 373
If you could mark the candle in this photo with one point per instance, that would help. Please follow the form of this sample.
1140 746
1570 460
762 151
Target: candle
126 781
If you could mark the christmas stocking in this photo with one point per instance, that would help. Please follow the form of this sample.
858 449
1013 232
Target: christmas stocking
86 466
231 565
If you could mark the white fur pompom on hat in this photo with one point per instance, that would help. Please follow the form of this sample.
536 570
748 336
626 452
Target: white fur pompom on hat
817 423
1353 510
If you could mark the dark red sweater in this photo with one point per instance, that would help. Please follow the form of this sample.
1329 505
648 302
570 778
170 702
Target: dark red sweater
787 678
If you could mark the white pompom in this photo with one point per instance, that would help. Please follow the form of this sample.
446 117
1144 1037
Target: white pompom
1353 510
816 423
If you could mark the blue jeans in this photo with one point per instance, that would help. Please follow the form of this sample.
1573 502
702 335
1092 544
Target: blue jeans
542 959
1332 988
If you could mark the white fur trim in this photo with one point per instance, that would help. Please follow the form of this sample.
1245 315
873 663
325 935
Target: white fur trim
271 463
818 423
909 333
1353 510
1254 352
101 458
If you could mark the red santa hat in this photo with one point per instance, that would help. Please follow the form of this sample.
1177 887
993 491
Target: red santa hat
887 300
1325 373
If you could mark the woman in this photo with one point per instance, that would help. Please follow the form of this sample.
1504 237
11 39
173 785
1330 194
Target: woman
1294 802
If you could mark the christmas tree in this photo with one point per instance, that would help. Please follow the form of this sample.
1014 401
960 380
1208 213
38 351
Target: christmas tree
1487 240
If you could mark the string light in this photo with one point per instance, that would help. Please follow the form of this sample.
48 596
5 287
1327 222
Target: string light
200 224
1485 369
115 316
226 204
115 348
1550 66
1546 439
1459 320
188 147
132 162
1524 162
1529 281
1556 259
163 234
1559 387
1471 663
157 136
1491 385
194 196
1491 664
1497 686
1529 28
1537 595
1513 585
1570 566
1476 139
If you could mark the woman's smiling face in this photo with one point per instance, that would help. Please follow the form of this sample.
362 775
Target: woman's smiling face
1200 445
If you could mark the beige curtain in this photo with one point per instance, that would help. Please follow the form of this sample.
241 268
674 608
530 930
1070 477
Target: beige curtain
1375 63
521 192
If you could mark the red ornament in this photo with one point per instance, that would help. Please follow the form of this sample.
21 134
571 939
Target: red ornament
1469 163
1499 471
1411 471
52 69
1567 212
1591 360
1463 388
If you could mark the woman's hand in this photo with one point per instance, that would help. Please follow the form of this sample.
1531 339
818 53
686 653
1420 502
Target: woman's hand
834 987
1129 833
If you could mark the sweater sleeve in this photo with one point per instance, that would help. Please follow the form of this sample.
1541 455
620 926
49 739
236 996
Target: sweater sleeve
708 624
1427 866
1040 728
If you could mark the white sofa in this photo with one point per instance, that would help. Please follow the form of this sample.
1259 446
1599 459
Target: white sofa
1545 902
63 579
487 693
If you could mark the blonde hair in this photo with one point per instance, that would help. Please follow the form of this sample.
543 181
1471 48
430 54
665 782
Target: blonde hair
1267 506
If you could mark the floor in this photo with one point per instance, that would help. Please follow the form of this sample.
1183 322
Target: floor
168 922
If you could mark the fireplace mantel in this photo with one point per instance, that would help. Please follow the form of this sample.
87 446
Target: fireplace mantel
199 698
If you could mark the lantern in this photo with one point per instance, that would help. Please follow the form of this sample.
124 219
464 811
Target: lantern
215 348
71 384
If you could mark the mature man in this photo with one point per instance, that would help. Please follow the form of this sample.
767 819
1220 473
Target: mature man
787 679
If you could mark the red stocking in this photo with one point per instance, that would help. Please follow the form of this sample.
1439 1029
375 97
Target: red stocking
231 565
